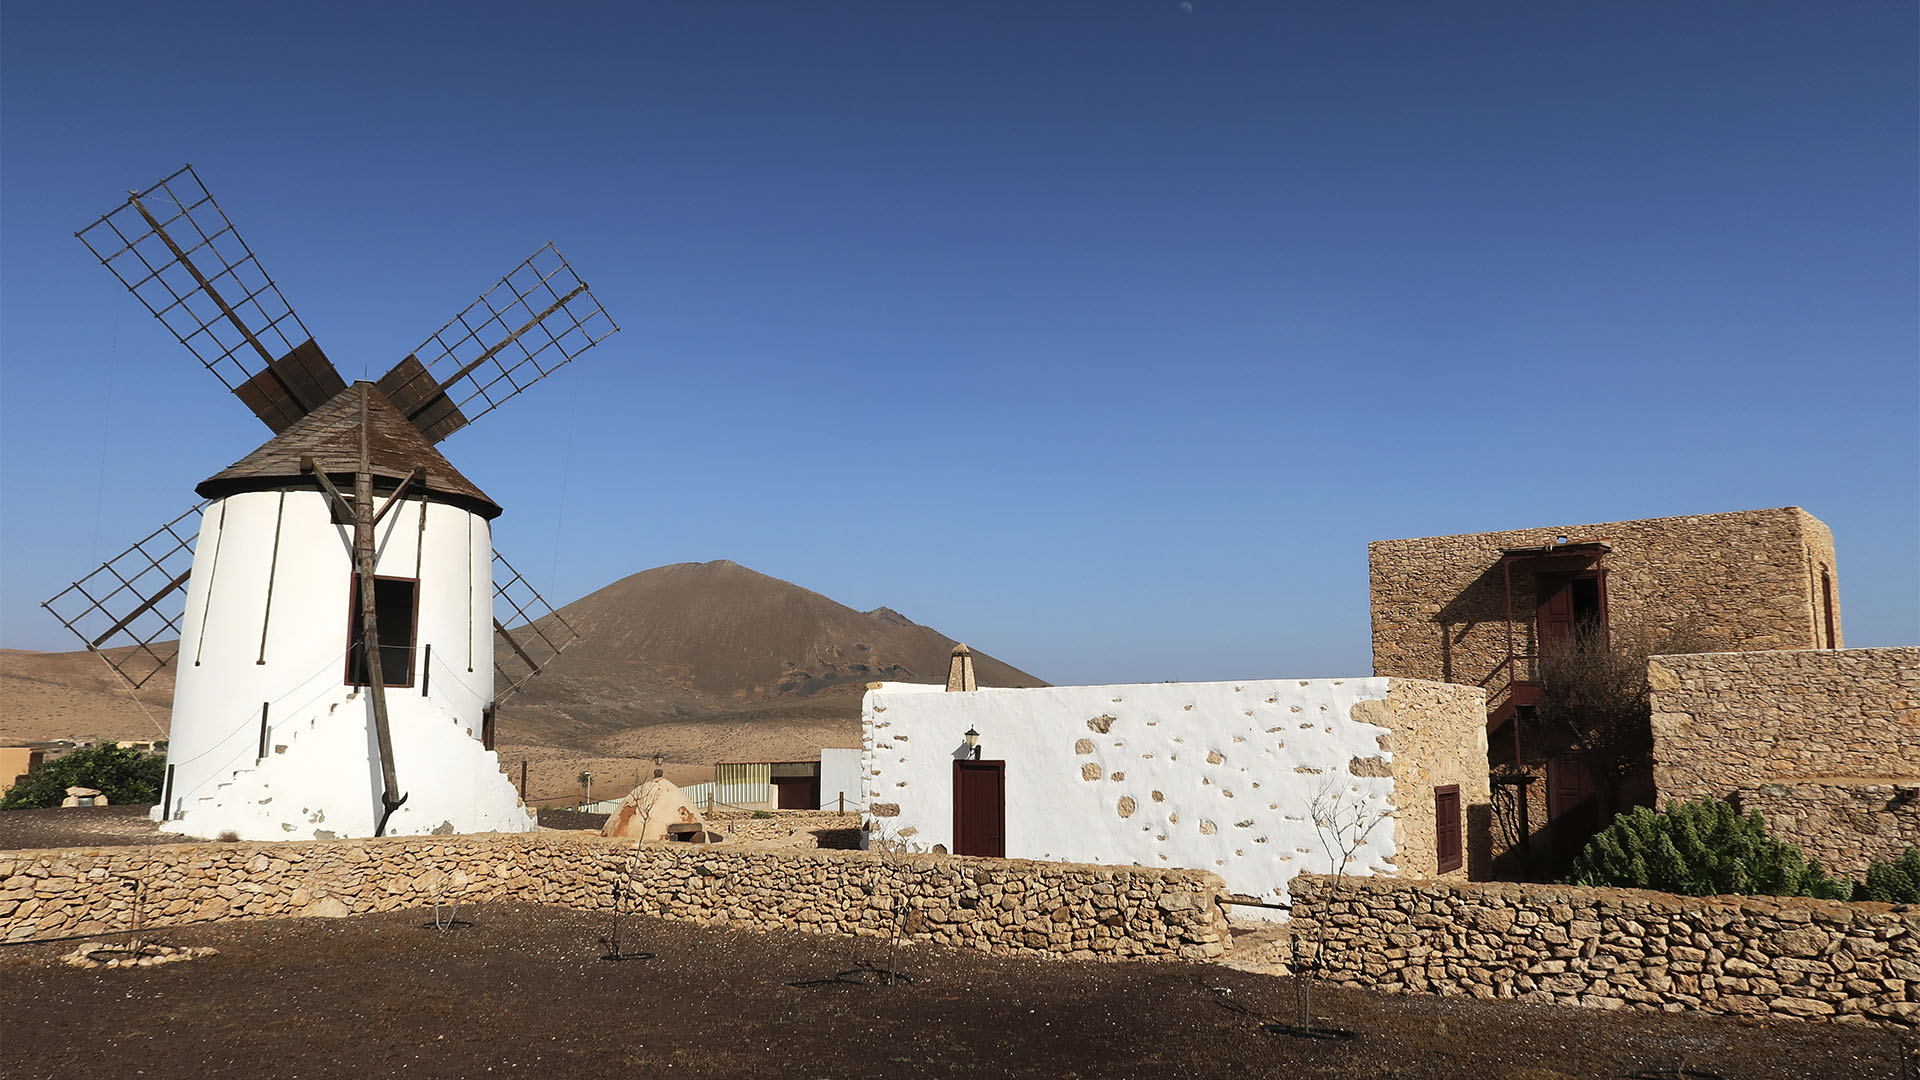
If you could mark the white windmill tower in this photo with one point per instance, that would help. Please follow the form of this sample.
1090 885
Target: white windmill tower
334 617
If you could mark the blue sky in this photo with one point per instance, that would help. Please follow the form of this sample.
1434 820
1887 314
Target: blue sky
1103 336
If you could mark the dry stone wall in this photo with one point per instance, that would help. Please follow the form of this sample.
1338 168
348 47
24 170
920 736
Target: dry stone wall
1618 948
789 828
1824 743
1845 826
1748 580
999 906
1723 721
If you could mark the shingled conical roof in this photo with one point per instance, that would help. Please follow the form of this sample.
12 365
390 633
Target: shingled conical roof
330 435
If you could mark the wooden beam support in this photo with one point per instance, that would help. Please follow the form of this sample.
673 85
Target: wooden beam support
418 474
363 552
343 512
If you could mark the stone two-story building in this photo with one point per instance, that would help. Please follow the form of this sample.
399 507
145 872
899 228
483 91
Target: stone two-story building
1482 609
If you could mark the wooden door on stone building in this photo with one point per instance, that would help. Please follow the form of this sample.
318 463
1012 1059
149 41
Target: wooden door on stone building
1573 806
1572 609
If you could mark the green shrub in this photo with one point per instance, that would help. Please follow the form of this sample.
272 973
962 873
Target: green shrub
1701 848
1896 882
122 774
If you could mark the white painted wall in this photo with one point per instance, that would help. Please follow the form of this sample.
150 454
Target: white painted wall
244 644
839 775
1190 756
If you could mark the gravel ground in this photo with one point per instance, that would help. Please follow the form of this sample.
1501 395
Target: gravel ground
79 826
524 991
101 826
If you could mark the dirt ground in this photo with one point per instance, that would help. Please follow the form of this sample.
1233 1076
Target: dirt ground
525 991
114 826
80 827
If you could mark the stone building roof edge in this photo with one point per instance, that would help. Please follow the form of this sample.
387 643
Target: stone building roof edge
1573 531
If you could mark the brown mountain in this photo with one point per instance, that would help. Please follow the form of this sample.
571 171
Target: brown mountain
717 641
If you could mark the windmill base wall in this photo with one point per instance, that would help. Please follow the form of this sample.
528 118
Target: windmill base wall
269 739
321 780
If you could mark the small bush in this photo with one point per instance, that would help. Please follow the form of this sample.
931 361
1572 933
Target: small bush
123 774
1703 848
761 815
1896 882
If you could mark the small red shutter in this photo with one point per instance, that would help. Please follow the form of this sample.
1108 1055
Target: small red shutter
1446 827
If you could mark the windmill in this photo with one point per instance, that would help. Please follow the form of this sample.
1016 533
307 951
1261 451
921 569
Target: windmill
332 607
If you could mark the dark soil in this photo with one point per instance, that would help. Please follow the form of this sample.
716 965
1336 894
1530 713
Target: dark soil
524 991
555 818
80 827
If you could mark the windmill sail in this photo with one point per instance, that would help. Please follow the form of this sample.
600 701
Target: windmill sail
174 249
528 633
539 317
129 610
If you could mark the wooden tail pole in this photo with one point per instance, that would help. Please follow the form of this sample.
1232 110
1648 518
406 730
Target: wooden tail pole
391 798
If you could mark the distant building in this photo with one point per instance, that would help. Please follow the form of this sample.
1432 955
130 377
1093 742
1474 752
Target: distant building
17 761
826 784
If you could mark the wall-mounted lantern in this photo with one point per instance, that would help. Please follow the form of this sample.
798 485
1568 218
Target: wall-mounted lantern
973 744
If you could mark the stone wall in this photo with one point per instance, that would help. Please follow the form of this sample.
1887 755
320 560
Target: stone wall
1437 735
1749 580
1618 948
1825 744
789 828
1845 826
999 906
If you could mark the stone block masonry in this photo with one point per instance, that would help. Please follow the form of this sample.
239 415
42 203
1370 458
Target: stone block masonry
1825 744
998 906
1619 948
1757 579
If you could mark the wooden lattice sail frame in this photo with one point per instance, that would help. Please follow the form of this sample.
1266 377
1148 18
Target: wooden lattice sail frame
129 610
533 633
175 250
536 319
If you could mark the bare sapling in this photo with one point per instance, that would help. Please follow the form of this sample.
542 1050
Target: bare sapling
887 847
624 897
1343 819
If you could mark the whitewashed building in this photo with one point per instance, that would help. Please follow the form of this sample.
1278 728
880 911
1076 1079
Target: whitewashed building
1213 776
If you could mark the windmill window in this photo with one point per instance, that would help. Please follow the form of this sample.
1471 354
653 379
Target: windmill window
396 616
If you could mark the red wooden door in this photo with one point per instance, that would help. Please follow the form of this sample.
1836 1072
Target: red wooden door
1573 805
980 808
1447 834
1555 613
796 792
